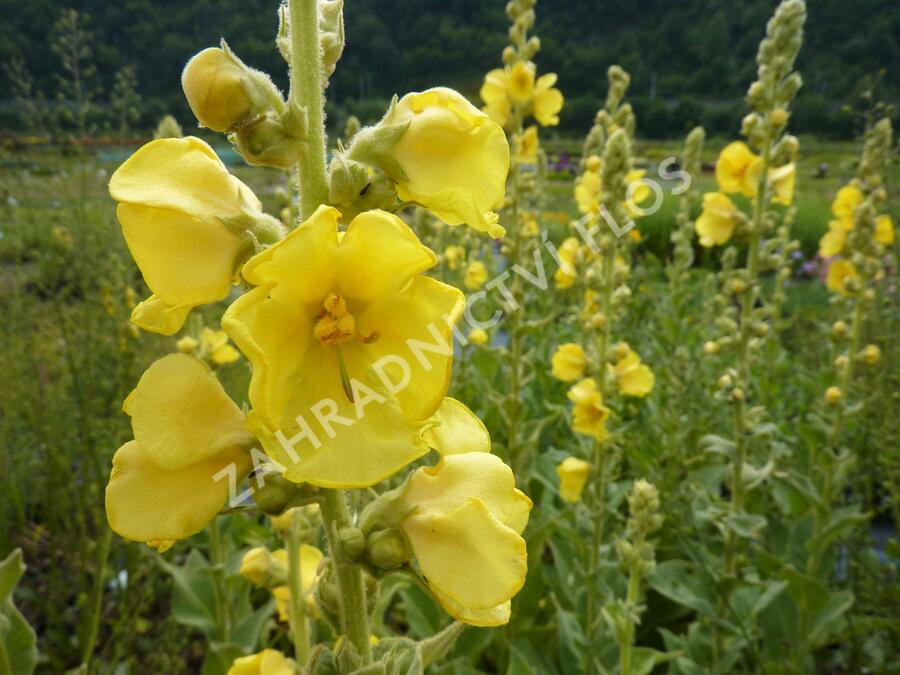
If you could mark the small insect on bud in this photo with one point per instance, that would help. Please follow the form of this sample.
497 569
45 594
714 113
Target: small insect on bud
833 395
871 355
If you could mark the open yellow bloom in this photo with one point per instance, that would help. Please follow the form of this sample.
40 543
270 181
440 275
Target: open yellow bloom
839 272
547 101
587 192
454 255
257 565
589 415
633 377
475 276
266 662
349 358
163 485
310 557
782 179
884 230
454 158
465 532
520 81
833 241
568 362
573 474
214 345
565 276
493 92
845 203
214 85
716 223
527 146
733 167
186 221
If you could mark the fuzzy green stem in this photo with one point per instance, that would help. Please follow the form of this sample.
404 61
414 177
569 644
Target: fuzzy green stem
307 93
631 601
97 600
296 611
354 614
515 318
223 610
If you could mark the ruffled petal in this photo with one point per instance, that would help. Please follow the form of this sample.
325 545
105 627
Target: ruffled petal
458 431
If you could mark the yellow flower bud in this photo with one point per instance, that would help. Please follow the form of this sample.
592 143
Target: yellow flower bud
710 347
256 565
187 345
266 662
593 163
477 336
725 381
475 276
841 361
871 355
215 87
779 117
839 328
833 395
738 394
573 474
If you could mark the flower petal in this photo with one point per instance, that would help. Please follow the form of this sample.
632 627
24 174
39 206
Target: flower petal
459 430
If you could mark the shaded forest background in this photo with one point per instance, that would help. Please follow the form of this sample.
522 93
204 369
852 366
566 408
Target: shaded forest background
690 60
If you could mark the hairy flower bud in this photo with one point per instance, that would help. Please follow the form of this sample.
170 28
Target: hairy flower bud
387 549
216 89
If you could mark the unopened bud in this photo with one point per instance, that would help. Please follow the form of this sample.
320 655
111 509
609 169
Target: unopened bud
871 355
187 345
387 549
738 394
839 329
215 87
779 117
710 347
353 542
833 395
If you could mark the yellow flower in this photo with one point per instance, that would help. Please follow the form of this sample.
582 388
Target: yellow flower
733 169
456 430
639 192
845 203
454 255
475 276
573 474
565 276
833 241
454 159
266 662
478 336
310 557
186 221
547 101
839 273
531 228
716 223
214 345
884 230
493 92
214 85
256 565
782 179
569 250
163 484
833 395
589 414
633 377
871 355
325 346
527 146
520 81
587 192
569 362
464 529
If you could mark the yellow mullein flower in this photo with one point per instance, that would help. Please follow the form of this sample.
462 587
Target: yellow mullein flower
520 81
633 377
569 250
457 430
214 85
833 395
453 156
833 241
186 221
477 336
732 169
716 223
565 277
587 192
318 342
493 92
256 565
465 529
527 146
884 230
531 228
186 431
310 557
639 192
839 272
782 179
591 303
845 203
475 275
214 345
266 662
871 355
547 101
573 474
589 415
569 362
454 255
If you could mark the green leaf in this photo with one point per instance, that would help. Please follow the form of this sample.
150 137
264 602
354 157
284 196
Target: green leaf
248 630
839 523
830 617
219 658
193 594
424 616
11 570
18 638
645 659
679 581
746 525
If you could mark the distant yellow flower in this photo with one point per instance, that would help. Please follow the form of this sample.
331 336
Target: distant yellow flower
587 192
186 221
833 241
569 250
186 431
845 203
884 230
214 345
454 255
833 395
633 377
520 81
716 223
266 662
573 474
214 85
475 276
527 146
732 169
312 340
547 101
310 557
782 179
493 93
531 228
465 532
871 355
589 415
187 345
478 336
839 273
453 156
565 276
569 362
256 565
640 191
